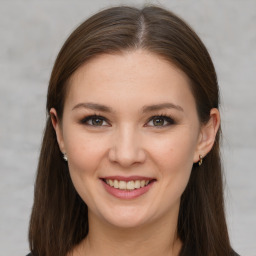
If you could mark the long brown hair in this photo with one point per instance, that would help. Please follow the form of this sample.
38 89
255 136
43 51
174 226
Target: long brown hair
59 216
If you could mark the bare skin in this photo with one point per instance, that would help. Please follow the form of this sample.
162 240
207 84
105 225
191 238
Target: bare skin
146 126
135 241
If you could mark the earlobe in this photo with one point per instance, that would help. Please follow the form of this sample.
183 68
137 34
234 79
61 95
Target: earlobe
57 127
207 135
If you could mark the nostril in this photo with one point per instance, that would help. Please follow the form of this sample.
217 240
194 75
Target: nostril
126 154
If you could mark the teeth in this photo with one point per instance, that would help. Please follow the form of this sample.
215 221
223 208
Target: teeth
137 184
122 184
116 184
130 185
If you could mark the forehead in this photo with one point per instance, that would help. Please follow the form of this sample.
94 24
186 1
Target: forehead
132 76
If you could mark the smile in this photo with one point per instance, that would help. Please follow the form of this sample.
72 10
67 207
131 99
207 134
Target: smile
127 188
130 185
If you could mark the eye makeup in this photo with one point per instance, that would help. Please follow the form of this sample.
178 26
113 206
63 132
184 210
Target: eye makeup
156 121
94 120
160 121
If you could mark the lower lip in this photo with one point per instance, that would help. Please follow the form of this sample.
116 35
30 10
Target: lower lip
127 194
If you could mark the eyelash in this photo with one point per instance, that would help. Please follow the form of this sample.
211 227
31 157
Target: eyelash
88 118
165 118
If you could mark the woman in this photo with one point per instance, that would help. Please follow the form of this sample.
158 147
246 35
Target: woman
130 161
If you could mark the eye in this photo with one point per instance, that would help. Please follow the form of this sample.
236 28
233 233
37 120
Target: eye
95 120
160 121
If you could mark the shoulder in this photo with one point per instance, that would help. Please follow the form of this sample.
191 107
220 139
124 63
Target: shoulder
30 254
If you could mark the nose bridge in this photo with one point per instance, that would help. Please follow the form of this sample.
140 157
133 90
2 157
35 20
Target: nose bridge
127 148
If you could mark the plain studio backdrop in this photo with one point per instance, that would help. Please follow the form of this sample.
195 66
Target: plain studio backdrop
32 33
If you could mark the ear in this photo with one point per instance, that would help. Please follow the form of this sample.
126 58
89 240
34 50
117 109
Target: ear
57 127
207 135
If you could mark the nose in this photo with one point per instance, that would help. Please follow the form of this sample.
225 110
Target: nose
126 148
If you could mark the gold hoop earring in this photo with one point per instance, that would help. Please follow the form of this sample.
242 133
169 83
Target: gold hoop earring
201 160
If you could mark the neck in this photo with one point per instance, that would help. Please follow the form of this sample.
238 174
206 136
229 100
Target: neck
158 238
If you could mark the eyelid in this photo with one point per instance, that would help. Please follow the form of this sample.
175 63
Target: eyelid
166 118
87 118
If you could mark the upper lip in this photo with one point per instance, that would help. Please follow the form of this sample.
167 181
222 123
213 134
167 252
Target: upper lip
129 178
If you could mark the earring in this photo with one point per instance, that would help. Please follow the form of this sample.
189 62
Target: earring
201 160
65 157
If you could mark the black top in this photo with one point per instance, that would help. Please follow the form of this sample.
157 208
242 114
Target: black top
235 254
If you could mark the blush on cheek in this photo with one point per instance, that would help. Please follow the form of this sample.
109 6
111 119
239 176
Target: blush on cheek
81 166
84 156
176 162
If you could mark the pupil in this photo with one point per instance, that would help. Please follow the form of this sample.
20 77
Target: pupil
158 121
97 121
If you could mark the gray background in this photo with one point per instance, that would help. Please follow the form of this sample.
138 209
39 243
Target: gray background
32 32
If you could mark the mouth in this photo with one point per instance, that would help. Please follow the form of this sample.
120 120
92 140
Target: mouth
128 185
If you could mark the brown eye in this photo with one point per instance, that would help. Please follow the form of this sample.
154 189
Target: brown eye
159 121
95 121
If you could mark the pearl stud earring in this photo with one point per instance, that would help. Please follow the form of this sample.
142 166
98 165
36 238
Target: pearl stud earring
65 157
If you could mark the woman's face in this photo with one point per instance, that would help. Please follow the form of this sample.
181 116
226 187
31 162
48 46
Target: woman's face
131 134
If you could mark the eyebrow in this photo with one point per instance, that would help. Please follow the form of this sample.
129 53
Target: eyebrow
93 106
145 109
155 107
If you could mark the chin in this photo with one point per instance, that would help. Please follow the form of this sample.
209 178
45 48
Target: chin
125 218
126 223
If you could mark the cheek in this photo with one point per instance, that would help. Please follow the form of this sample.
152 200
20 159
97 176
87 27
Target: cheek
84 156
174 160
174 152
84 151
173 156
